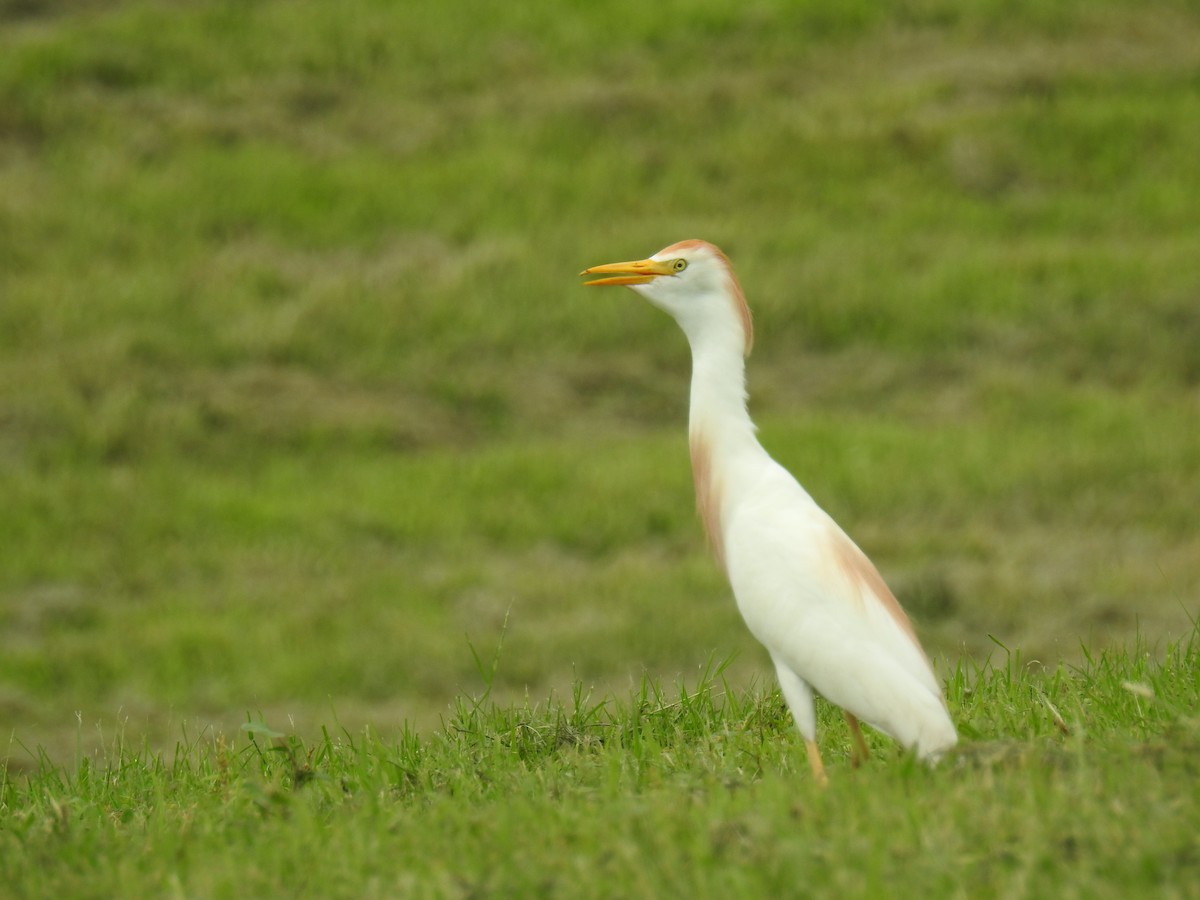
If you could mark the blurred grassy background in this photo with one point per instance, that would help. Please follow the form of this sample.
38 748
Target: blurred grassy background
299 397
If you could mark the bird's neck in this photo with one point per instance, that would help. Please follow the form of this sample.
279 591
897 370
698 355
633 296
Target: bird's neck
725 452
718 393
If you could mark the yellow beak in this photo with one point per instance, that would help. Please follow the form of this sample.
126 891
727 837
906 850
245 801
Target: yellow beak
640 271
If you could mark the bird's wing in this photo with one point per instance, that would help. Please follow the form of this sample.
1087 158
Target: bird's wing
816 601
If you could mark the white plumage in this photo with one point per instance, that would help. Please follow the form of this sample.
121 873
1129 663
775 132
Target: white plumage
805 590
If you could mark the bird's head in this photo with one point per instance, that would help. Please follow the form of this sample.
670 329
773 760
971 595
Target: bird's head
691 280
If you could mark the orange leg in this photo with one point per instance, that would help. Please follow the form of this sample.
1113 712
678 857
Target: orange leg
859 754
814 763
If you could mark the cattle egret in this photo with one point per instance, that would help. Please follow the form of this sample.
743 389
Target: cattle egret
806 591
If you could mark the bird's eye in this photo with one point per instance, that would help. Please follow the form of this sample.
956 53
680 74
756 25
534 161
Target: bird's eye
679 265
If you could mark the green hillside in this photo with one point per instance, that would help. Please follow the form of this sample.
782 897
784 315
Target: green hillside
300 401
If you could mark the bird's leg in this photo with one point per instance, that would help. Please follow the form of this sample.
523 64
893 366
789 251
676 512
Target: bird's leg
859 753
799 698
814 763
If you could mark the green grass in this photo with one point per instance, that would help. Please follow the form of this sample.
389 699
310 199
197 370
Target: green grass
1072 782
300 401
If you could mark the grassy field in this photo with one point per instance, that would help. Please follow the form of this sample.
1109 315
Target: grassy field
303 414
1073 784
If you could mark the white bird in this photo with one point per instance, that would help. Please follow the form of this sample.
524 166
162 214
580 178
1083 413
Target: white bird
805 590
